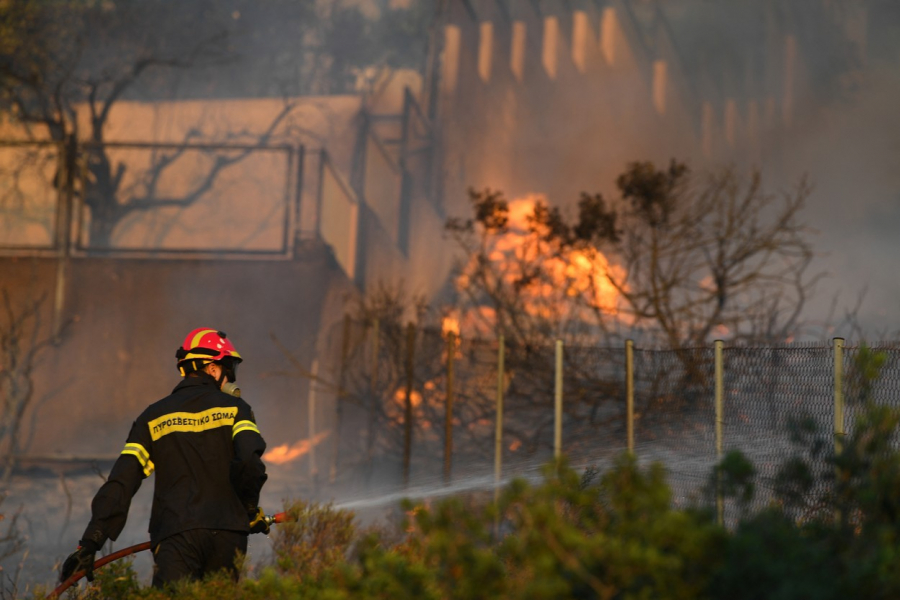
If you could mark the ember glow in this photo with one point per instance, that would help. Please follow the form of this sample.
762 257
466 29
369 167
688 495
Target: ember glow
396 411
286 453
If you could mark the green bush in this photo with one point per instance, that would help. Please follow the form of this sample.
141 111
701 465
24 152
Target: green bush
770 556
313 539
619 539
613 536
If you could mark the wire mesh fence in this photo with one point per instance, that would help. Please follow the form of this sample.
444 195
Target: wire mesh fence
426 404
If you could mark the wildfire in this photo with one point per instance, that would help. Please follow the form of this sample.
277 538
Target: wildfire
287 453
570 280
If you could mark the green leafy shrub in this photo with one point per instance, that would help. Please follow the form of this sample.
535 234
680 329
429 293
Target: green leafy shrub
619 539
313 539
770 556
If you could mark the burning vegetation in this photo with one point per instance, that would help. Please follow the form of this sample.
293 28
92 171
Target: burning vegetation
553 282
287 453
677 259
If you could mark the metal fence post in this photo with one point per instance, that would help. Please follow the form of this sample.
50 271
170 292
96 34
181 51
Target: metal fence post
629 393
311 420
838 410
407 408
339 401
448 416
376 348
557 397
373 398
838 395
498 426
720 393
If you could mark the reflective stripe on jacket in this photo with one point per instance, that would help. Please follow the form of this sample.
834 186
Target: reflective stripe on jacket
205 449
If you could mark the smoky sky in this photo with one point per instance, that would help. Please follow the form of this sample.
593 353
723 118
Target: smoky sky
844 135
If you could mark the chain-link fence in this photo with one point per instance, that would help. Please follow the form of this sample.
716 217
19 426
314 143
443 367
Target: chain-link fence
401 386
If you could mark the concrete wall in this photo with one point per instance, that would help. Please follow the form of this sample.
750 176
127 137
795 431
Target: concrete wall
127 317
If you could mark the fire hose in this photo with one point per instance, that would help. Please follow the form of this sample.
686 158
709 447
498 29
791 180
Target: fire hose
76 577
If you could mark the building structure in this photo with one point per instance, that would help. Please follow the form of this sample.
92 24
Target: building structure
352 191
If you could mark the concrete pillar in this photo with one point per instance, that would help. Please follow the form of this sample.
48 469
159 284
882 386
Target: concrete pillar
450 66
550 56
517 50
609 28
660 83
581 40
485 50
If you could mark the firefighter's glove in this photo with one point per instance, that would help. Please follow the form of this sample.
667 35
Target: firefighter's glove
80 560
258 523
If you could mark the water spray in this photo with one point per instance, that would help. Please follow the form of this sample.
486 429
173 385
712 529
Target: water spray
437 488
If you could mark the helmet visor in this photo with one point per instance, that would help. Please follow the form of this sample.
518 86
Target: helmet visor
230 365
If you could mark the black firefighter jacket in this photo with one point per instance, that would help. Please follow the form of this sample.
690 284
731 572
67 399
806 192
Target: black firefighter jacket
205 449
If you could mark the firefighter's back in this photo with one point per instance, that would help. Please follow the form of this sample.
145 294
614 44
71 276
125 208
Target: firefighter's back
191 432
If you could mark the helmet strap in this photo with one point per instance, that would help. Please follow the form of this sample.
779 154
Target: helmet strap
192 366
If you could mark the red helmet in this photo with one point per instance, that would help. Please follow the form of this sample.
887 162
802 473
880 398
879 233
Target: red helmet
205 345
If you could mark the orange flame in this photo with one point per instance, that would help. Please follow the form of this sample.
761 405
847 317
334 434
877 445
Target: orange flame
570 275
285 453
450 324
415 398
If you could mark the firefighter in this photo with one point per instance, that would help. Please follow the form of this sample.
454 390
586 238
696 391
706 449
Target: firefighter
203 443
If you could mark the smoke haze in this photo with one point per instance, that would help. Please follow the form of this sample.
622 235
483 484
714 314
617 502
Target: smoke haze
793 88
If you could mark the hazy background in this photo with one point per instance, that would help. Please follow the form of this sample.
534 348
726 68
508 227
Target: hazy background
556 136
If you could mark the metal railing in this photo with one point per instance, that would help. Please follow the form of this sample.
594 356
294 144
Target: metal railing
149 199
188 199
